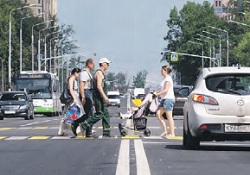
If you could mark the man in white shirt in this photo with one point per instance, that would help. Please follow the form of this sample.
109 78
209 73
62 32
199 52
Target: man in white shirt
86 93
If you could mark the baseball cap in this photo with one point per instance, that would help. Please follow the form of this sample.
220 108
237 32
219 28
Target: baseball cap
104 60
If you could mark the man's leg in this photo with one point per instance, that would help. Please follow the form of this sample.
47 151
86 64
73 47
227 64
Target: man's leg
106 121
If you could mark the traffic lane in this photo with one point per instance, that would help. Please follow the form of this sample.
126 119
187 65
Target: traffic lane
59 157
171 158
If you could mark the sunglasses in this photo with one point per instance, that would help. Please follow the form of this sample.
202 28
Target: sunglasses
107 64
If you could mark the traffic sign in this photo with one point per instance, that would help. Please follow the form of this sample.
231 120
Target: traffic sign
174 57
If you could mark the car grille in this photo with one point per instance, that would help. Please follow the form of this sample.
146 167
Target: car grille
10 107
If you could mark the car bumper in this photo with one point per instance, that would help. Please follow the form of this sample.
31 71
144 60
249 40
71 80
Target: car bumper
20 113
215 127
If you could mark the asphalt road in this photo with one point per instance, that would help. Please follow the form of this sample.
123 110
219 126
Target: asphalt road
33 147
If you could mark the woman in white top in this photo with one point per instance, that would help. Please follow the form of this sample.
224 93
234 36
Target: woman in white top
167 101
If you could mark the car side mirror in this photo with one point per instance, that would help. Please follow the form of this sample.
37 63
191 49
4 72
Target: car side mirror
184 91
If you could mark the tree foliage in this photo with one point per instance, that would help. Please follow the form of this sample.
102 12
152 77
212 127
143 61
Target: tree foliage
7 6
139 80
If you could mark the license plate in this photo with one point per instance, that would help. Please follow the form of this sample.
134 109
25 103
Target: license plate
237 128
9 112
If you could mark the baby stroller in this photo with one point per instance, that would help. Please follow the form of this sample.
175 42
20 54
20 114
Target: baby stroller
139 116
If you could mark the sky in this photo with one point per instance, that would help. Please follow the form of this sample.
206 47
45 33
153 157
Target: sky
127 32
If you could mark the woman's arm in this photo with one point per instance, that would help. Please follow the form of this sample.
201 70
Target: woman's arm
71 88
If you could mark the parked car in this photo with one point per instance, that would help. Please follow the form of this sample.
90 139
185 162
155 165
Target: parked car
218 108
181 93
16 104
114 98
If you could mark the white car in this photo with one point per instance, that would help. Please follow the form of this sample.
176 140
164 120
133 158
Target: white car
218 108
114 98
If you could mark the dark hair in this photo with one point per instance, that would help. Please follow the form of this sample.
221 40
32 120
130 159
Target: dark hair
167 69
75 70
89 61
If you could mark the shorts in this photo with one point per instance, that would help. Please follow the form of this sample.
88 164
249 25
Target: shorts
167 104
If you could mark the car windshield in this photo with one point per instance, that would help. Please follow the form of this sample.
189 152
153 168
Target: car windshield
113 96
12 97
238 84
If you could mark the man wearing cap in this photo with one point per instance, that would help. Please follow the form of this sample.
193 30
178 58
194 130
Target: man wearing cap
100 100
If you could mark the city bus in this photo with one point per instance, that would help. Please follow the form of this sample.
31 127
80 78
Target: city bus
43 87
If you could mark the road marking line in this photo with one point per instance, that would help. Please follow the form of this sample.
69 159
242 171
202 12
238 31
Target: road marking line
25 128
40 127
60 138
5 129
38 138
131 137
141 158
17 138
123 166
2 137
33 123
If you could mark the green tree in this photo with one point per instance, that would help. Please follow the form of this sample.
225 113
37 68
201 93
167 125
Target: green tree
139 80
184 26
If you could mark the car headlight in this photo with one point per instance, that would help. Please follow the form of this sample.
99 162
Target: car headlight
23 107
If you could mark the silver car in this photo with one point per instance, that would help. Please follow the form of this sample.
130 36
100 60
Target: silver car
218 108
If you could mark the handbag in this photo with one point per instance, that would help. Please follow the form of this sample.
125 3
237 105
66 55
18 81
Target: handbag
154 105
65 96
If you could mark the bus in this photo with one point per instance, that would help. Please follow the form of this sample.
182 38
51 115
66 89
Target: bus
43 87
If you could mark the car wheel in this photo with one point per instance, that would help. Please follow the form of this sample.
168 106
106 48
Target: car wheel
26 117
189 141
1 118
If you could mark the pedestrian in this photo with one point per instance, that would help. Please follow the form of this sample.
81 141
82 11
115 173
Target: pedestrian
167 102
100 100
86 95
73 89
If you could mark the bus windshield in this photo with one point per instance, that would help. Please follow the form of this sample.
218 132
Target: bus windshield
37 88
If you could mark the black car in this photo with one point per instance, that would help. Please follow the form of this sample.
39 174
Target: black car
16 104
181 93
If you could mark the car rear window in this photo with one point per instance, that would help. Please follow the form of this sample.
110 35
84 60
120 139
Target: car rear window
238 84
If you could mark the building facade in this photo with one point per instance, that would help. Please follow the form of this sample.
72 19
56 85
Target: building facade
49 7
221 8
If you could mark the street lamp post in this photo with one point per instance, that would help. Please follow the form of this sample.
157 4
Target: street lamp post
32 41
220 43
2 74
210 63
202 53
210 50
21 40
227 41
9 65
39 45
51 54
45 49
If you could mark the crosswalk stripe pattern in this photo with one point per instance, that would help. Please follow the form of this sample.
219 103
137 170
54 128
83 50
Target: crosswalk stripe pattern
83 138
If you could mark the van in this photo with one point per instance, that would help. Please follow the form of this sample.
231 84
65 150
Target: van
114 98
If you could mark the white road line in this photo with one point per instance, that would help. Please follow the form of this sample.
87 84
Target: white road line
33 123
123 159
141 159
17 138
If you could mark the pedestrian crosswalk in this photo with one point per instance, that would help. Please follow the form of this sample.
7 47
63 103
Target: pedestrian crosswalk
82 137
56 128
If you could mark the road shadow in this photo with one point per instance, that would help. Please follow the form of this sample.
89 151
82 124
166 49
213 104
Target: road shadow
228 147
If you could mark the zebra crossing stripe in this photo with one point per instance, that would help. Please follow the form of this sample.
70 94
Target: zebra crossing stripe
2 137
131 137
5 129
40 127
39 138
17 138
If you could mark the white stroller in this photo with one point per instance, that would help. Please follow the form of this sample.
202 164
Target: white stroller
139 116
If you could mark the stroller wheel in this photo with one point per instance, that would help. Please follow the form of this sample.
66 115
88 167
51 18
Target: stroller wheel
147 132
123 132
